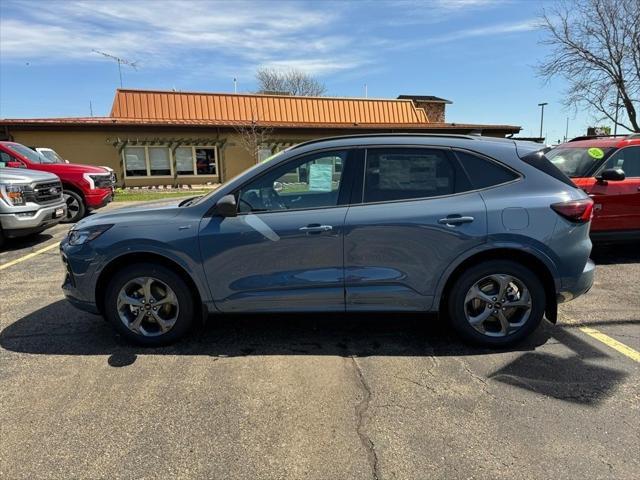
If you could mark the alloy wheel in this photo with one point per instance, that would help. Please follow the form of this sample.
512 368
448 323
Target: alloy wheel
497 305
73 206
147 306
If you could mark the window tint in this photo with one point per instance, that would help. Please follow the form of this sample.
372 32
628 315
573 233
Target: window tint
405 173
627 159
484 173
5 158
309 182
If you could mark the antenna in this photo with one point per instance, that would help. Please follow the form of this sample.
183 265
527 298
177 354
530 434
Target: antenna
235 85
121 61
366 91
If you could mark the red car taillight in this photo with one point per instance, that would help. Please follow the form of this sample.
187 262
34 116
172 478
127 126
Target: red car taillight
578 211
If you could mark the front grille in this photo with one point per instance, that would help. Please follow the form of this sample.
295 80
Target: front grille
46 192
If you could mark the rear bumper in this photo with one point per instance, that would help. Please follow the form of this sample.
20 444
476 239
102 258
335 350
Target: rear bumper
26 223
576 286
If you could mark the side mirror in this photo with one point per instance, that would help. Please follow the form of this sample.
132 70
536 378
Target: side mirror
611 175
278 187
226 206
15 165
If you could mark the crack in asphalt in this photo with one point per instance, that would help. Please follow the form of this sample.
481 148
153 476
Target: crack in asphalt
361 412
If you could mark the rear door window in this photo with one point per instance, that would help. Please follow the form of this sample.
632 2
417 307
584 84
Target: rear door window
409 173
483 172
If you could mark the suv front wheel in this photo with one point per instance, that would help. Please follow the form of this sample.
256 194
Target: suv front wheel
149 304
496 303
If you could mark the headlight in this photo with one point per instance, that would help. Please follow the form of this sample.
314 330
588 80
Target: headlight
84 235
98 180
13 194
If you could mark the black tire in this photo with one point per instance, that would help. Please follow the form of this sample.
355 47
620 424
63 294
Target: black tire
457 294
171 279
76 209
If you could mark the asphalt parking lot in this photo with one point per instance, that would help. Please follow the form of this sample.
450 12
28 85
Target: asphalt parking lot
319 397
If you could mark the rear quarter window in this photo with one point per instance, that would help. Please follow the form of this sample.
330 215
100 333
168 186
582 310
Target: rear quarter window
541 162
483 172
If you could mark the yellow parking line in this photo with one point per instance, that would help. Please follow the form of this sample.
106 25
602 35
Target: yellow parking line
27 257
611 342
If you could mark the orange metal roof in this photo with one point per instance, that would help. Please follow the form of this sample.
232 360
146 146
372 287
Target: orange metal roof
193 109
229 108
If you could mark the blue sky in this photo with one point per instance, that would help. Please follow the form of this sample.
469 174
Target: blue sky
481 54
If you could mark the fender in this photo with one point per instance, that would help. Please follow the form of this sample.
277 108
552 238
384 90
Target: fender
192 266
520 244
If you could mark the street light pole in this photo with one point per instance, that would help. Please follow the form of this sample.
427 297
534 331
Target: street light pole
541 105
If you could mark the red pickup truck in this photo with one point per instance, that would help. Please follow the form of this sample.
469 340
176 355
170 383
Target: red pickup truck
608 169
85 187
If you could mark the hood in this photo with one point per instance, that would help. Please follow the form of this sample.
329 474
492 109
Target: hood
75 168
22 175
155 213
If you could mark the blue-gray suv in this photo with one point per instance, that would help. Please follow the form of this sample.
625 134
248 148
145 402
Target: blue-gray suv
487 232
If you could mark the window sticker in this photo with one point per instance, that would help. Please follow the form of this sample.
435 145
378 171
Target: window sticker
407 174
320 177
596 153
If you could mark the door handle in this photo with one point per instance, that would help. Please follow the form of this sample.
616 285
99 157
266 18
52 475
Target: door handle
316 228
453 220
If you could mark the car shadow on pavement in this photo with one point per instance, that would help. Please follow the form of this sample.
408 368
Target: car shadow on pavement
20 243
59 329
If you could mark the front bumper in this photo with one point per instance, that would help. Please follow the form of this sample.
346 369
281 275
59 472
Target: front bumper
99 197
576 286
80 271
26 223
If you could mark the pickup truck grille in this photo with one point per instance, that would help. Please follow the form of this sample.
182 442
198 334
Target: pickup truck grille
45 192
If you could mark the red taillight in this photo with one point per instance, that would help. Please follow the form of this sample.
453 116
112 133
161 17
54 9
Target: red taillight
578 211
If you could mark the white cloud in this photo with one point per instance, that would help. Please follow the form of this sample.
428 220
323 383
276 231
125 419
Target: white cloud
163 33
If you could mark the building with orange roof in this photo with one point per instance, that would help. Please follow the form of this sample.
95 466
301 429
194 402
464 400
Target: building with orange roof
167 137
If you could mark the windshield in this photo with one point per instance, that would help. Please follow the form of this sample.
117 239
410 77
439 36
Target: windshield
52 156
577 161
29 154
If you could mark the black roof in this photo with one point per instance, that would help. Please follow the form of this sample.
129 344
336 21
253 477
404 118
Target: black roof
424 98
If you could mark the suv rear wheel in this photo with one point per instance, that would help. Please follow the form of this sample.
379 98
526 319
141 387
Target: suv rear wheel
496 303
149 304
76 208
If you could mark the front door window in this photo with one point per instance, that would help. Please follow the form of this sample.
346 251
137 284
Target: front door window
310 182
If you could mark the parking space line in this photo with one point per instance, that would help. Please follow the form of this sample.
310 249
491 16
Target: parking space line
27 257
612 343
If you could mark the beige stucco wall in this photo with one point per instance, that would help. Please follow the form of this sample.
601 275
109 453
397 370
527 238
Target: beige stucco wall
95 147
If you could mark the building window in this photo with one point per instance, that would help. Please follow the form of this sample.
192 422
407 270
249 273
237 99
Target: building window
159 161
135 163
162 161
184 160
206 161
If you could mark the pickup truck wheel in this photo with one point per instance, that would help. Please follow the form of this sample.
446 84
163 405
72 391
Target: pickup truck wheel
149 304
496 303
75 206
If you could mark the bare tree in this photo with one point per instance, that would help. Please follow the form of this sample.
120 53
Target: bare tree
253 137
596 48
292 82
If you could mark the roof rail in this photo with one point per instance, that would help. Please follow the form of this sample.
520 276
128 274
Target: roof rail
590 137
404 134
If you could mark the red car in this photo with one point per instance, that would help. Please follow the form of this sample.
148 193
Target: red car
85 187
608 169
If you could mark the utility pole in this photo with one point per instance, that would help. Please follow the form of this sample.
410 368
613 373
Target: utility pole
566 132
235 85
615 123
120 61
541 105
